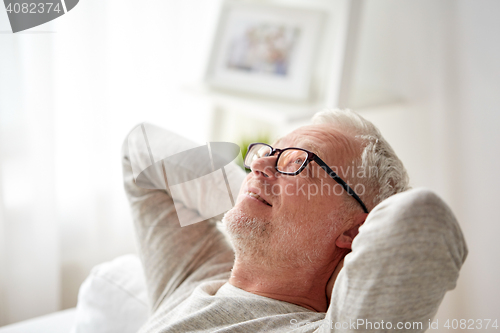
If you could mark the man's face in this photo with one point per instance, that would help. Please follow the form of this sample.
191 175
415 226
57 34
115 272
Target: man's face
287 215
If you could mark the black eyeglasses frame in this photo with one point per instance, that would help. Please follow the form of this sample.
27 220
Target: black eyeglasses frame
310 157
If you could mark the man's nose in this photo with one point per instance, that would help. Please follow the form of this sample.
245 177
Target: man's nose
265 167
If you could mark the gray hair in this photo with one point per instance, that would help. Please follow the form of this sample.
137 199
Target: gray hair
390 176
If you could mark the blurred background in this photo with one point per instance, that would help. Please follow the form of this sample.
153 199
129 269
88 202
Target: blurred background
426 72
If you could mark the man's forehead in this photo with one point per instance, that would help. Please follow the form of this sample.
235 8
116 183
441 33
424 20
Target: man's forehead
328 141
318 139
303 142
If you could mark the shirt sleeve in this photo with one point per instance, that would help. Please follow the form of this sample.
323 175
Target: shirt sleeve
169 253
406 256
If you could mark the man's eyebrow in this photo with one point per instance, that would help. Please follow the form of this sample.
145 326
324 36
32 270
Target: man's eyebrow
308 145
312 147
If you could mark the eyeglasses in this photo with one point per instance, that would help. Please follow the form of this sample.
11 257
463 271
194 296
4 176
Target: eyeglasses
291 161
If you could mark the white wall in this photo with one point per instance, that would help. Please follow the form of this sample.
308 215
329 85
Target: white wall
442 59
476 176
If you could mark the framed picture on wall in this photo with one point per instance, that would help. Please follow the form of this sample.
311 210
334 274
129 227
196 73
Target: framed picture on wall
265 50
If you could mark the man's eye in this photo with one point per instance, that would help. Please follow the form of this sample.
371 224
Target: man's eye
298 161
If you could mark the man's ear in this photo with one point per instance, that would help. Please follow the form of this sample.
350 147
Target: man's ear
344 241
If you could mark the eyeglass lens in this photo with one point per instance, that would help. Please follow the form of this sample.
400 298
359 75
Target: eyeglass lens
290 160
257 151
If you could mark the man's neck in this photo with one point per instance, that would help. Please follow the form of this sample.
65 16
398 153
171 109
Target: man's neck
305 287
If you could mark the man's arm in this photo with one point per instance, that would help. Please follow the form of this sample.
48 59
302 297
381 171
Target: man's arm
407 255
170 254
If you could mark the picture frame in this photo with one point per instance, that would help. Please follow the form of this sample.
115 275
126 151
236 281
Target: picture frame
265 49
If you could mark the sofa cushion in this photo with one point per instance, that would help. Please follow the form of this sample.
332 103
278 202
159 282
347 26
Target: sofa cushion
113 298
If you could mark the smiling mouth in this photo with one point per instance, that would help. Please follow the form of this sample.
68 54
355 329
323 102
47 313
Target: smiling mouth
256 196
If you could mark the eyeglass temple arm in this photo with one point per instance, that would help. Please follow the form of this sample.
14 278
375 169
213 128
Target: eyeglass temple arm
339 180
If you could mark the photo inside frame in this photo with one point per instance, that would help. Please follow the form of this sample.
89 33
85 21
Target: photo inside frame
264 47
266 50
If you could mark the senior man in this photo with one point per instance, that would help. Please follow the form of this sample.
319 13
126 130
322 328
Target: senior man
290 230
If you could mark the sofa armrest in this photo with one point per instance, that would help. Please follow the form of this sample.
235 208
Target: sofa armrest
57 322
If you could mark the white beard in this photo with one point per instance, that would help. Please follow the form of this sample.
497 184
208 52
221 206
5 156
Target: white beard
248 235
273 243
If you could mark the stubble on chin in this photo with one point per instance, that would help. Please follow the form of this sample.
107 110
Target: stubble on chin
249 235
259 241
280 243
